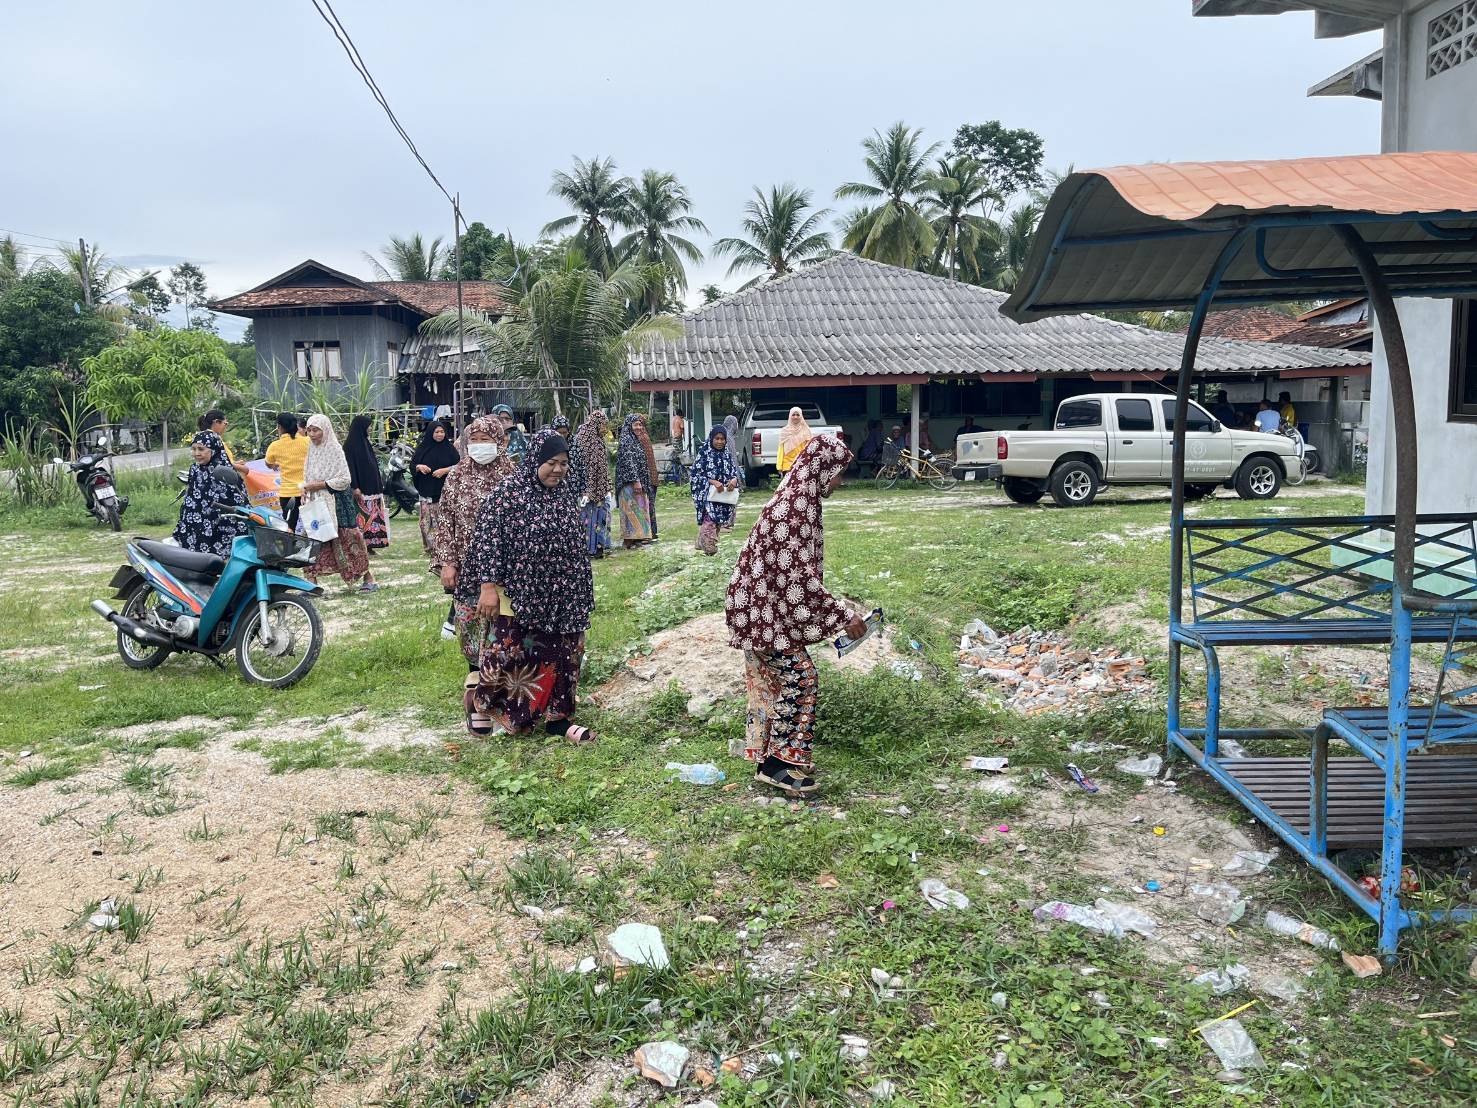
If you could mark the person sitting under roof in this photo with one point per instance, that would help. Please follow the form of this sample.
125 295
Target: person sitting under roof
1223 410
1267 417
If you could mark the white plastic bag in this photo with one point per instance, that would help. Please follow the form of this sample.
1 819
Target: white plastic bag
318 517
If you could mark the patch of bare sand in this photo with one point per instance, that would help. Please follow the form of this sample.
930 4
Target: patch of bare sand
84 839
696 655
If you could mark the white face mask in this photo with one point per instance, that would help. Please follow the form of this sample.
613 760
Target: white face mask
482 452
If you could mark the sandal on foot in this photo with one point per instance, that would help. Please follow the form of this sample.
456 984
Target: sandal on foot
787 780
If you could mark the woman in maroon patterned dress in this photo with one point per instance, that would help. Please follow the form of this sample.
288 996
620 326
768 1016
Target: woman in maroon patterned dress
777 605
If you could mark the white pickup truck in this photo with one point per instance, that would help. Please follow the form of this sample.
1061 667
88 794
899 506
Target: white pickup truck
1126 439
759 431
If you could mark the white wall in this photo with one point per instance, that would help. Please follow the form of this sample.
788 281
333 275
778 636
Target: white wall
1424 113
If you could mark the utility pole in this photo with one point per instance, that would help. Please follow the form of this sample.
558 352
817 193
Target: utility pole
461 332
86 274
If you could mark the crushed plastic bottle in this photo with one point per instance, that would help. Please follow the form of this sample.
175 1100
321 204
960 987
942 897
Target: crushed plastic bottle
1297 929
1232 1045
1248 863
1230 748
1089 918
1218 903
1281 986
1147 766
704 773
1128 918
1222 981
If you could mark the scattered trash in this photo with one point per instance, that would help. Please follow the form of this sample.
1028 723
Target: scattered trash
1248 863
1000 1060
1151 886
24 754
90 688
1158 1041
662 1062
1296 928
1279 985
1160 830
827 881
888 905
1223 981
106 916
652 1008
987 765
999 1000
882 1090
1362 965
532 911
1003 828
906 670
1127 917
1232 1045
1089 918
855 1048
639 944
1040 671
1147 766
1087 783
1100 998
1219 903
887 984
704 919
940 897
584 966
704 773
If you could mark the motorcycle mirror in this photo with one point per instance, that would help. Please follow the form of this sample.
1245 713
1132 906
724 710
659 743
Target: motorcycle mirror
228 476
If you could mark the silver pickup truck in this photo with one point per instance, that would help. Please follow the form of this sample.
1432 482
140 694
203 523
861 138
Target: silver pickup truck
759 436
1106 439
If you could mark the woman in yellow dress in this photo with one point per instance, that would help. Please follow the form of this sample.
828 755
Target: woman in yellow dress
793 437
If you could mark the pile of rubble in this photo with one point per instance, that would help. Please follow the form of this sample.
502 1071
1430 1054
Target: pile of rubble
1039 671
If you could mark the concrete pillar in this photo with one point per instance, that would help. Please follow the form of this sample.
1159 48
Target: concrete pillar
874 403
707 426
914 405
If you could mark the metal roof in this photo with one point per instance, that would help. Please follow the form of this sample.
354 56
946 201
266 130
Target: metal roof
850 319
1147 236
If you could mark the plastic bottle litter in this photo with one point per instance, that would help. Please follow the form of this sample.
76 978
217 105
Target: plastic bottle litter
977 629
1230 748
1087 783
1248 863
1147 766
1089 918
1127 917
940 897
1296 928
1280 986
1218 903
845 644
639 944
704 773
1223 981
1232 1045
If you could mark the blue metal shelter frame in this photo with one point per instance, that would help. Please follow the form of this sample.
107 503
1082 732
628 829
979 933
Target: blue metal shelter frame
1305 581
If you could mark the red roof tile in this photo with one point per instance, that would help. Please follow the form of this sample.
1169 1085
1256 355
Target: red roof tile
1260 324
433 297
1326 334
428 298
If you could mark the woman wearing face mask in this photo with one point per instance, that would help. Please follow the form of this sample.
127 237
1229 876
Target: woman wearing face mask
429 465
527 556
483 467
201 526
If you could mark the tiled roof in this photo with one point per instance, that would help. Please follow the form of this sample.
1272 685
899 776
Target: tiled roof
847 316
312 284
434 297
1327 334
1257 324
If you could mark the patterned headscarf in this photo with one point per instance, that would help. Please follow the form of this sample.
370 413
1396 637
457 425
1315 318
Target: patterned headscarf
531 541
467 486
635 462
201 526
776 602
326 461
711 464
587 453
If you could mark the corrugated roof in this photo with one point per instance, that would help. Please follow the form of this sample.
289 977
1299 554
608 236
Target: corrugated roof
850 317
1257 324
1147 237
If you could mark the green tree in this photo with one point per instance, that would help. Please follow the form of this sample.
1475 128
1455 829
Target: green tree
893 229
1011 158
159 374
477 249
658 218
147 299
564 320
97 270
711 294
783 232
46 333
601 200
14 263
408 259
957 186
1002 252
187 288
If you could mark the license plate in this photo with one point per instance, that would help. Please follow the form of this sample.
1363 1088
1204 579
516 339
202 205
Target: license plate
104 492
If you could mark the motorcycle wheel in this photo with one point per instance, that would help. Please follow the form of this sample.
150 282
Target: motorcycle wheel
139 605
297 637
115 518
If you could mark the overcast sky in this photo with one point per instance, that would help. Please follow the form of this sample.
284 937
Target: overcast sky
237 135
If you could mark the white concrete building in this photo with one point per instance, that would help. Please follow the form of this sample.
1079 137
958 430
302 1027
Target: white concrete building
1425 78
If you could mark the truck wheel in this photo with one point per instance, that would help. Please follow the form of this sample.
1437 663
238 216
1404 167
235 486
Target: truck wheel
1258 479
1023 491
1198 492
1073 485
754 477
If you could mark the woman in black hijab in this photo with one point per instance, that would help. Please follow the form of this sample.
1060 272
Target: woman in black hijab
368 486
429 465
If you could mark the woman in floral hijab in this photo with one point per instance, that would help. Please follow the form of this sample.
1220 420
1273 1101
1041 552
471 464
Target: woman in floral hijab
485 465
527 556
777 605
588 456
635 482
201 525
713 471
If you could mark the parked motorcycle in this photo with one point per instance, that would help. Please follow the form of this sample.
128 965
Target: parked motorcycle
178 600
398 485
99 494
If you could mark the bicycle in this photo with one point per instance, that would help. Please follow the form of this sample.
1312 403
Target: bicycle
898 464
677 472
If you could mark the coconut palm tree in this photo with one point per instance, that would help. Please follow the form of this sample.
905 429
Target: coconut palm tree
659 208
408 259
892 229
782 234
957 185
563 320
1003 249
601 200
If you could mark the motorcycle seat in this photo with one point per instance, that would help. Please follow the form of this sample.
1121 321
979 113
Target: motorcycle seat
186 561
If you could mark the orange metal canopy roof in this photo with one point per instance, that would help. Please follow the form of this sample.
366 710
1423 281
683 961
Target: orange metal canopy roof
1148 236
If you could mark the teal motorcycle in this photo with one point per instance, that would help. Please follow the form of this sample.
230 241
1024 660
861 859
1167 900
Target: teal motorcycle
249 604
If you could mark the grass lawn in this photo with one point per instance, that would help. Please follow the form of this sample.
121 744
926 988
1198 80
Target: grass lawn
326 895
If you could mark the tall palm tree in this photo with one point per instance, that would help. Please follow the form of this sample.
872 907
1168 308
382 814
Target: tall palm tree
957 185
408 259
659 208
1003 250
601 200
892 229
563 320
782 234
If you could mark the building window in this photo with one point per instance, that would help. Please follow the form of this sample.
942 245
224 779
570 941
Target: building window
317 361
1451 38
392 359
1462 397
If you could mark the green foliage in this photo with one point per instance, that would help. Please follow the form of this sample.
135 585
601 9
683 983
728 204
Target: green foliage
187 288
409 259
957 187
782 233
1010 156
658 208
46 333
477 250
893 229
157 374
601 200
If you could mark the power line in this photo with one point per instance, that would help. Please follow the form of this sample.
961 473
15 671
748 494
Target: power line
28 235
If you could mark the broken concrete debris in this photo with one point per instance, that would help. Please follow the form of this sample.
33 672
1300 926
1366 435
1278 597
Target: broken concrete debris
662 1062
639 944
1038 671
